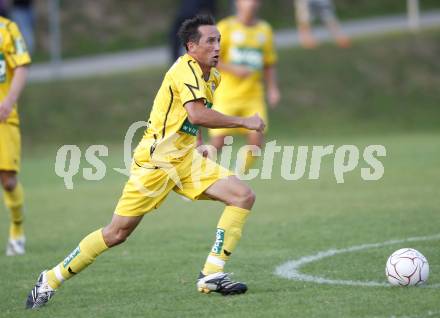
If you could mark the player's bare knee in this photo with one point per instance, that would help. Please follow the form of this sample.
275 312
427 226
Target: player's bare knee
114 236
10 185
121 236
244 198
8 182
249 198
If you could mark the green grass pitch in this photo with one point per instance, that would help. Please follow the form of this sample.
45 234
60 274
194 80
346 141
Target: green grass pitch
153 274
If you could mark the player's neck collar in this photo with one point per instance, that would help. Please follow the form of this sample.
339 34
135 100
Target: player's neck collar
198 68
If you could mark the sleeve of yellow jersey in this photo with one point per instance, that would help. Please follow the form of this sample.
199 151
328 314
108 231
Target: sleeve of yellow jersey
270 55
188 84
15 50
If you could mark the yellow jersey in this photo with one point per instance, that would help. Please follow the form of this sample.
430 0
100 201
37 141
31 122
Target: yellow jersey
251 46
169 134
13 53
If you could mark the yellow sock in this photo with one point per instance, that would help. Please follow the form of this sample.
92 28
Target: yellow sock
228 234
81 257
14 201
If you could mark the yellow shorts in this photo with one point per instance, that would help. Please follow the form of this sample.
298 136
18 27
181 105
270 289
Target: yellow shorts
149 185
10 147
240 109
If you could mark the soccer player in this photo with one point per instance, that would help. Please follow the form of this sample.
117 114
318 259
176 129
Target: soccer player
167 159
14 59
247 62
324 10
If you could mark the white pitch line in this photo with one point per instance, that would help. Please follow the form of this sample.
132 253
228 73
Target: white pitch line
427 314
291 269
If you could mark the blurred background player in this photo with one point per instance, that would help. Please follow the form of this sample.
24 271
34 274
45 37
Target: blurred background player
3 9
13 72
22 13
247 59
187 10
309 10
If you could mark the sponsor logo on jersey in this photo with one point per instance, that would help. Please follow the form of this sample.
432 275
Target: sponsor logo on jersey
20 46
190 128
247 56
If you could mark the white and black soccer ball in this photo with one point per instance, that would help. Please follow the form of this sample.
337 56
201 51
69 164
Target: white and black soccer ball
407 267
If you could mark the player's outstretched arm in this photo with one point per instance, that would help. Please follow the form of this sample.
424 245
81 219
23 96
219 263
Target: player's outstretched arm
198 114
17 85
273 92
238 70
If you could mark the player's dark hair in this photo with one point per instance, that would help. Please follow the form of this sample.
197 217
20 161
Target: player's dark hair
189 30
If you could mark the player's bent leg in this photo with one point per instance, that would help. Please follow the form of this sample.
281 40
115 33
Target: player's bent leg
232 192
13 198
82 256
239 199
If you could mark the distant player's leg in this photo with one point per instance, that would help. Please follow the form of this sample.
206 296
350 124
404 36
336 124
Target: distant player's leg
254 139
303 17
82 256
239 200
335 29
13 198
230 108
10 151
218 141
328 16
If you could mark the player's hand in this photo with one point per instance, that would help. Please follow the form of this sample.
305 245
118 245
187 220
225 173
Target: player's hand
242 71
5 109
254 123
273 96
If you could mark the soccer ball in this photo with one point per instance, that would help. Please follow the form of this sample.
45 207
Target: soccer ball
407 267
